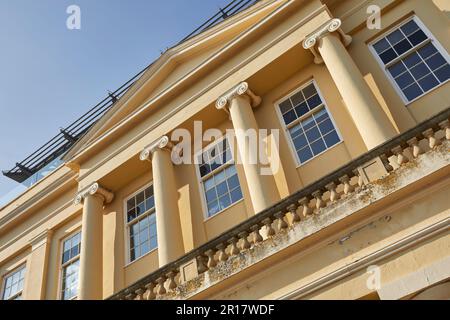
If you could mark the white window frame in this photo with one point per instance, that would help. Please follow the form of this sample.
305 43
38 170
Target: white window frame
432 39
63 265
10 274
201 179
286 127
128 224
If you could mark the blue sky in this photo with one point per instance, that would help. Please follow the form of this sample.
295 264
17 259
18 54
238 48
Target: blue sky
50 75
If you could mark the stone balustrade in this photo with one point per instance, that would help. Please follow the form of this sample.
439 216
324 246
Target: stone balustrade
298 207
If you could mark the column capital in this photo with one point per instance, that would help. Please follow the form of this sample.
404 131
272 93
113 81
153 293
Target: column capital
162 143
94 190
242 89
330 26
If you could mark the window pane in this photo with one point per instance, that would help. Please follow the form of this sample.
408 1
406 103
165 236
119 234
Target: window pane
233 182
297 99
443 73
388 56
326 126
222 188
409 27
318 147
420 70
305 154
225 201
313 134
436 61
302 109
397 69
427 51
314 101
395 37
236 195
404 80
309 91
285 106
381 46
428 83
402 47
417 37
300 142
412 92
412 60
289 117
331 139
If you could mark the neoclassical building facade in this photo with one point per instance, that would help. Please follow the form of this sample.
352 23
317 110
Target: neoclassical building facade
351 201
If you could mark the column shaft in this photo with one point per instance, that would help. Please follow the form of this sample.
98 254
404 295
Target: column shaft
262 187
91 256
371 121
170 238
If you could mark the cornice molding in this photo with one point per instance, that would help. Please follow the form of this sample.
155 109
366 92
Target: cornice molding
23 208
161 144
94 190
313 39
241 90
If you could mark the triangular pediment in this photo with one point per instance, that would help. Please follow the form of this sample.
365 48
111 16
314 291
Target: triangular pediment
174 66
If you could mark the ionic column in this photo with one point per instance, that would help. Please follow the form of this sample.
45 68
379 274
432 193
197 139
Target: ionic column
91 255
368 116
239 103
37 266
168 225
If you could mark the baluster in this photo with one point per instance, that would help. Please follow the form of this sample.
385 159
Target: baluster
150 293
414 144
222 254
245 245
201 265
256 236
281 224
211 260
319 201
234 250
171 275
130 296
304 202
139 294
432 140
445 125
268 223
293 210
334 196
401 159
360 180
348 188
160 289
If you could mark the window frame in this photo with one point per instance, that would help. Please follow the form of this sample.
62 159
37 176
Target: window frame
431 39
128 225
201 180
63 265
21 267
286 127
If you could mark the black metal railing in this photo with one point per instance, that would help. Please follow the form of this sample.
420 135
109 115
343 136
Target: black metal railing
67 137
